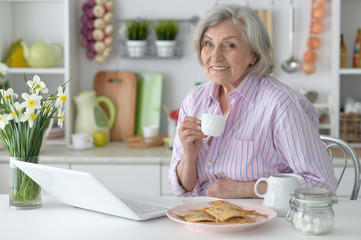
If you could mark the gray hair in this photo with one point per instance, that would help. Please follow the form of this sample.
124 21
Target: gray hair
251 27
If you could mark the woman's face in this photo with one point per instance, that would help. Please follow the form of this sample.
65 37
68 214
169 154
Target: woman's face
226 55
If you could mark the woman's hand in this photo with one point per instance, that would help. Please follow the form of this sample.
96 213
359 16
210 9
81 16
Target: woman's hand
191 136
228 188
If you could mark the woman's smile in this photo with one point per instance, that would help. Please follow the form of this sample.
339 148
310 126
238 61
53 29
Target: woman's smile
219 68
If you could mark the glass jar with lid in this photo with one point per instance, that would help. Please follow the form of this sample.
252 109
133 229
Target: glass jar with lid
311 211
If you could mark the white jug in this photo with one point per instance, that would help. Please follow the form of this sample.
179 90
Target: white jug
279 189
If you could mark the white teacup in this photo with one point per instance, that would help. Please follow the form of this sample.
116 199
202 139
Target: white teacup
150 131
82 140
213 125
279 189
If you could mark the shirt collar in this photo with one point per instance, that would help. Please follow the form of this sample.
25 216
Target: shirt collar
243 89
246 87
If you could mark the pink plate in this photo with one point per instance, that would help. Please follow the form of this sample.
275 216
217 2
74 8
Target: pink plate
223 228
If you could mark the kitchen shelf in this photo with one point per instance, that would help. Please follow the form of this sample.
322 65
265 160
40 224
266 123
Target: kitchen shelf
350 71
28 20
151 51
345 81
355 145
37 70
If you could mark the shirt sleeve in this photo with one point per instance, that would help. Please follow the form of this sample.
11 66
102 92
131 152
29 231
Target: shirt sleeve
299 145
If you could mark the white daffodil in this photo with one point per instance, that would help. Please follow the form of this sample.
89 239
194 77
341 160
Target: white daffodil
37 86
30 115
61 117
61 97
2 93
3 69
3 120
7 94
31 101
16 110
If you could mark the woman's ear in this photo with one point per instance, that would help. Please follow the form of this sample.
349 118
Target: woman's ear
254 60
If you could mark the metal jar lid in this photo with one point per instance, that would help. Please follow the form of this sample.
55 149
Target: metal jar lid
313 197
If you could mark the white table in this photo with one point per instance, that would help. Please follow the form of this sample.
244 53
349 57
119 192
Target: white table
57 221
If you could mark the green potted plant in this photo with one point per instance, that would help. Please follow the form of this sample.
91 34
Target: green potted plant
137 37
166 31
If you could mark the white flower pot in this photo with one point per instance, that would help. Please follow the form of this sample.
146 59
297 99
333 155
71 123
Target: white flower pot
165 48
137 48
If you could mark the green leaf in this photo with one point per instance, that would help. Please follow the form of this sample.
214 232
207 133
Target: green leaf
138 30
166 29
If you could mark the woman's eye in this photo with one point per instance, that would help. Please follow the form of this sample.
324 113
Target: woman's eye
230 45
207 44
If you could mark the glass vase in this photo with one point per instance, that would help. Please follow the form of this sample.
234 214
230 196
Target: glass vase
24 192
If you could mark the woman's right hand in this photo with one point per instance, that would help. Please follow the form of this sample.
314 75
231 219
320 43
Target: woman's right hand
191 136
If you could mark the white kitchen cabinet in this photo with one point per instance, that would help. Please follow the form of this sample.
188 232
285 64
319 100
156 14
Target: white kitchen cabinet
54 21
136 178
345 19
165 187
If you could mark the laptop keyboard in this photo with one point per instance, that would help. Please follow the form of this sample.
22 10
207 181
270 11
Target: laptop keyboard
142 207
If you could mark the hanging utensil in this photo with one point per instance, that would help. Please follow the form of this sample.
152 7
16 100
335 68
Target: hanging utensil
291 65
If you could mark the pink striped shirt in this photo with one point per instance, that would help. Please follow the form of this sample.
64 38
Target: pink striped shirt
270 129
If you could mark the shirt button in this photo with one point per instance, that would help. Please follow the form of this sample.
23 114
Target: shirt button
209 163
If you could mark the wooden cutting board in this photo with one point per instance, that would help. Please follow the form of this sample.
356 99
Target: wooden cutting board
121 88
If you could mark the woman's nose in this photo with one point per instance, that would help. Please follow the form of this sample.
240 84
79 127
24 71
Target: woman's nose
217 54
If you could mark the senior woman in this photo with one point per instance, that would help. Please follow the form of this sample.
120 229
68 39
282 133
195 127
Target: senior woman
270 128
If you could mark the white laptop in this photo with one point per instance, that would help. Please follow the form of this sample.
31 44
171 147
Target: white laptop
83 190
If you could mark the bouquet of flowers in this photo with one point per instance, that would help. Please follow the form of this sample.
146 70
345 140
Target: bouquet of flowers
22 126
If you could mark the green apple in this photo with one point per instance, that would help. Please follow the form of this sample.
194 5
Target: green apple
100 138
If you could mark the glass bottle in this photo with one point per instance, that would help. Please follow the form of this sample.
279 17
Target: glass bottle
311 211
356 51
343 54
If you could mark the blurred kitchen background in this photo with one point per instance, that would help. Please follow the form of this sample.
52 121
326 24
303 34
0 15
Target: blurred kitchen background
60 21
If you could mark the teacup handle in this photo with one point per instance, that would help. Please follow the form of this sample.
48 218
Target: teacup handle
256 186
90 140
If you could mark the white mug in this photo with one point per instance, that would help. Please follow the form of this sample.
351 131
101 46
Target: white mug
213 125
81 140
150 131
279 189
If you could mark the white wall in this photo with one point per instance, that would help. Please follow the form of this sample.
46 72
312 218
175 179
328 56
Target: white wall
181 74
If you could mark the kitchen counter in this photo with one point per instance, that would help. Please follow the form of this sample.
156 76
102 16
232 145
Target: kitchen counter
114 152
58 221
117 163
